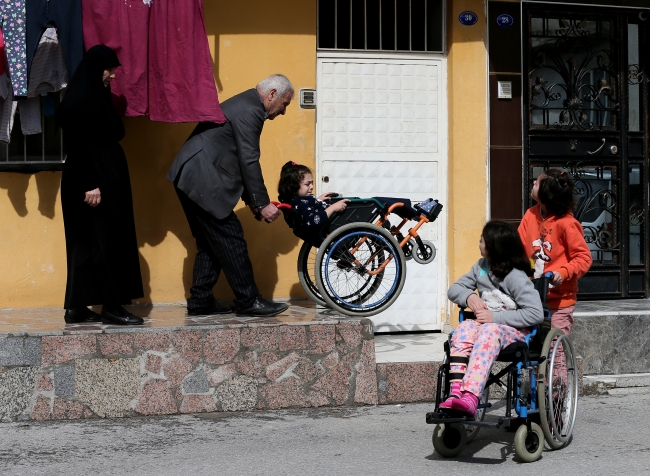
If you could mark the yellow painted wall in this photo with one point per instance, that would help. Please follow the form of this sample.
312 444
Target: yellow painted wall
468 137
32 246
249 40
268 38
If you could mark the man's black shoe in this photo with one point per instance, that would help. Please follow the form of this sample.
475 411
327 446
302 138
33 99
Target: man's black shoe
120 316
262 307
81 314
215 308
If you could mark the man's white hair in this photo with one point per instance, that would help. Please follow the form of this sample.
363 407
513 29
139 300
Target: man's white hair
279 82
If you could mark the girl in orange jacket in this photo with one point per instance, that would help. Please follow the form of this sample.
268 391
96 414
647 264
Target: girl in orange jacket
554 241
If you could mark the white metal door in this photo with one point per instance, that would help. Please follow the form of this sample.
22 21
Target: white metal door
382 131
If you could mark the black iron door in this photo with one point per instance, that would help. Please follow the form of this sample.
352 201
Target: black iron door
586 113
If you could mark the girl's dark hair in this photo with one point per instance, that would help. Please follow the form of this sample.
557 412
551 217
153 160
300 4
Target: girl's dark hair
504 249
556 192
290 178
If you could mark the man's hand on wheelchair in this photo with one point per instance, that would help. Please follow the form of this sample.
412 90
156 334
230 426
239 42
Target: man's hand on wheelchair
269 213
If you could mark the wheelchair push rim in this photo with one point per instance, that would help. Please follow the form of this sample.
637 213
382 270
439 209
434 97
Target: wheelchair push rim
360 269
558 389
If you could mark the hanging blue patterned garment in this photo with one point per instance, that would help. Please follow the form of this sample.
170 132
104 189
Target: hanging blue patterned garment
13 30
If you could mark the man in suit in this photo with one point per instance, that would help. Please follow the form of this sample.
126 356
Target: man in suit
218 165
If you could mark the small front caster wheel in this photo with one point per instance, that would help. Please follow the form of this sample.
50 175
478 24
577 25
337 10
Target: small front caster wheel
424 255
529 445
450 439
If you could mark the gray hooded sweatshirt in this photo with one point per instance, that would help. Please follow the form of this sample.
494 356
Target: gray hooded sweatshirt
516 284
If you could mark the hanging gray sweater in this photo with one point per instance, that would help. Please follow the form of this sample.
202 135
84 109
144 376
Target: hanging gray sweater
516 284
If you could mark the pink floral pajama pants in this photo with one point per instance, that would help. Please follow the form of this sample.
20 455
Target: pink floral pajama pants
482 343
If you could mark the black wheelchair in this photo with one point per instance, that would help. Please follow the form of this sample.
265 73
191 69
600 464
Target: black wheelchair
544 404
356 264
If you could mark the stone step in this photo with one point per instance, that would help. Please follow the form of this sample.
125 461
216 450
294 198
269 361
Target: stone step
180 364
607 384
612 342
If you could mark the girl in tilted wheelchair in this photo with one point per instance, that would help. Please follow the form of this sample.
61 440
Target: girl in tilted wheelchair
506 306
309 214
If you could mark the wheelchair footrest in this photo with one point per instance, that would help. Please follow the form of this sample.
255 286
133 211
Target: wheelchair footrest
446 416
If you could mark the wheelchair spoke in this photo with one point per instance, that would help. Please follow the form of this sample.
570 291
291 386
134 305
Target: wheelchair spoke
361 272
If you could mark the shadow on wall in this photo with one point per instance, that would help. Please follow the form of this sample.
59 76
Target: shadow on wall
158 212
151 152
47 185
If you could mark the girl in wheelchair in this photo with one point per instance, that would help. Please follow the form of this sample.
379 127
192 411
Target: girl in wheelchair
506 309
296 188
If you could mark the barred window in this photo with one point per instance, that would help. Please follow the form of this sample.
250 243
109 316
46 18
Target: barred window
382 25
35 152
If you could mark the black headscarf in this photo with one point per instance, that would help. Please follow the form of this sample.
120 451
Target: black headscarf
86 95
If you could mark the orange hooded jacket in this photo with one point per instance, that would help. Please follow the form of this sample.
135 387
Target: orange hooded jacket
556 244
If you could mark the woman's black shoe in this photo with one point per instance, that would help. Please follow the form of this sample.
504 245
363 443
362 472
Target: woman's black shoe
80 314
120 316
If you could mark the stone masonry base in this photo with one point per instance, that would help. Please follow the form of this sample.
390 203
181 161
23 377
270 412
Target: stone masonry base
238 367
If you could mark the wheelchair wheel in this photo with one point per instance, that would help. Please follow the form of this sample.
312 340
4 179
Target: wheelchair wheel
306 272
557 389
419 256
449 439
360 269
529 444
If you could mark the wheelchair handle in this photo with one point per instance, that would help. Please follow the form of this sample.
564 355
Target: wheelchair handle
281 206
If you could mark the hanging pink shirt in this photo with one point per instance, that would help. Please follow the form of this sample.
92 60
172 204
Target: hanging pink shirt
3 54
166 71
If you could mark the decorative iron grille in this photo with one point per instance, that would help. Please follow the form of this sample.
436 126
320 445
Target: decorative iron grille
574 72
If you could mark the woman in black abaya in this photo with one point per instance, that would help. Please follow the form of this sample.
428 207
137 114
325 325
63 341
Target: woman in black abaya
102 251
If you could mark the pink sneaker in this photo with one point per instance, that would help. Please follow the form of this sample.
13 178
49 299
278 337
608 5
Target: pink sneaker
454 394
466 404
447 404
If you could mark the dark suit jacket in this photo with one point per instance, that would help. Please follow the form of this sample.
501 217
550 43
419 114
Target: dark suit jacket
220 163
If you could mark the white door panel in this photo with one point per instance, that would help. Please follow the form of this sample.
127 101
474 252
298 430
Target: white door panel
382 131
400 179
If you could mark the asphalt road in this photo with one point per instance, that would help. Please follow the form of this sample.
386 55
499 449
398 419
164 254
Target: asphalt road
612 436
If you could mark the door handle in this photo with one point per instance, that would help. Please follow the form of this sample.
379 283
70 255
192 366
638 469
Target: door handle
598 149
